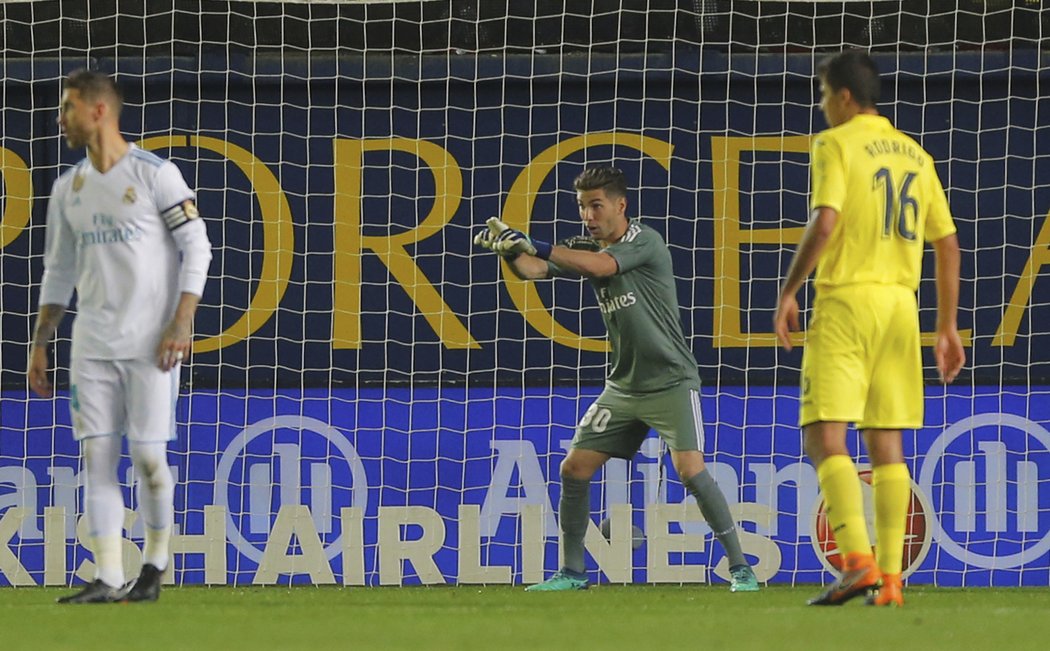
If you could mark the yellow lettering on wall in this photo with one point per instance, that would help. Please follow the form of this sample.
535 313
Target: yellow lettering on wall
731 238
18 196
349 242
518 209
1040 257
278 236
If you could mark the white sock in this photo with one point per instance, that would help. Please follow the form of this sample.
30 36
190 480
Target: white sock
155 552
109 564
104 506
156 493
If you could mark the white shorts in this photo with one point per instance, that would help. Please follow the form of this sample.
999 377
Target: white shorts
122 396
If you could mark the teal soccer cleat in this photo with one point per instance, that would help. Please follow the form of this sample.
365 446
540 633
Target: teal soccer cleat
560 581
742 579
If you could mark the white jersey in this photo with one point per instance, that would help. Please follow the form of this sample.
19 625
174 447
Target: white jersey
116 239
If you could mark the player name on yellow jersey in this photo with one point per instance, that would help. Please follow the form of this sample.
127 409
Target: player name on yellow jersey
887 147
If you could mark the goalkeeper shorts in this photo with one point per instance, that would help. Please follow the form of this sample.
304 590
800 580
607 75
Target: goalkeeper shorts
618 422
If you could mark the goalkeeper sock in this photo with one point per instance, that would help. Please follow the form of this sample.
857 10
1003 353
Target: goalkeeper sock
713 505
844 504
892 485
574 511
109 564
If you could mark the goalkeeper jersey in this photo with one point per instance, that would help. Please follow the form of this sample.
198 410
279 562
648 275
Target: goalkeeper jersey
117 239
640 308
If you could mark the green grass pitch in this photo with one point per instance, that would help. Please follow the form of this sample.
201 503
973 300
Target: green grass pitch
476 617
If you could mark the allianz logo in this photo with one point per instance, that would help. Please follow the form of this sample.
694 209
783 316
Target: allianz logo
239 461
982 477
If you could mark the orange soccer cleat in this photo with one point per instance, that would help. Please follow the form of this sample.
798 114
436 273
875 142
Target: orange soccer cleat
859 575
889 594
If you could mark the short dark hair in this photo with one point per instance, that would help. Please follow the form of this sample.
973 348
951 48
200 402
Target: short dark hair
609 179
854 70
94 85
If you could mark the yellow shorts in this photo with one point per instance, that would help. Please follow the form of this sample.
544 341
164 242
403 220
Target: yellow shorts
863 359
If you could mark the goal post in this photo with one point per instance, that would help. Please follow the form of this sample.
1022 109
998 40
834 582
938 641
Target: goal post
374 401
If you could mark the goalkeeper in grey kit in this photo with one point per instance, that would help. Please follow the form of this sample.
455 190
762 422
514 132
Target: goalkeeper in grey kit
652 380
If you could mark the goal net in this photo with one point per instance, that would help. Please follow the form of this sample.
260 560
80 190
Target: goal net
373 401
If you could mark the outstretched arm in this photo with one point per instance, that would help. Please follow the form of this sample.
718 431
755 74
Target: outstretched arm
528 258
818 231
527 267
589 264
948 350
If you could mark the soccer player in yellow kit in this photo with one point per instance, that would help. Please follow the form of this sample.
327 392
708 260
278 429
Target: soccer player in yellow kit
876 201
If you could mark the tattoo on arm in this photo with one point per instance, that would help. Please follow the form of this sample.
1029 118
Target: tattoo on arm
47 323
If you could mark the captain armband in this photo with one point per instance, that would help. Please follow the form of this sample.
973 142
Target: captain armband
180 214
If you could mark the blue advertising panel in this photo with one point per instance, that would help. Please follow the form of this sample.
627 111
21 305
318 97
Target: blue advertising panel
429 485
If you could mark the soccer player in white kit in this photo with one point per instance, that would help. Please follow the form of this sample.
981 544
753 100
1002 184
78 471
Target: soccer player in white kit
124 233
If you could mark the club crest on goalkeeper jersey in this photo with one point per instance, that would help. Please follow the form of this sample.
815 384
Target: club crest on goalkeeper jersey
108 238
640 308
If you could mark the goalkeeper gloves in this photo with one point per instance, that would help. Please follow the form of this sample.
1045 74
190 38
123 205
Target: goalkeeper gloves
510 243
486 237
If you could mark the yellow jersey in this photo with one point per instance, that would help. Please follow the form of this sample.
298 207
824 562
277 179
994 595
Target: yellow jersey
889 200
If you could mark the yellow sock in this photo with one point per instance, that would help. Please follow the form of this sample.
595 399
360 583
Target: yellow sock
844 504
892 485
